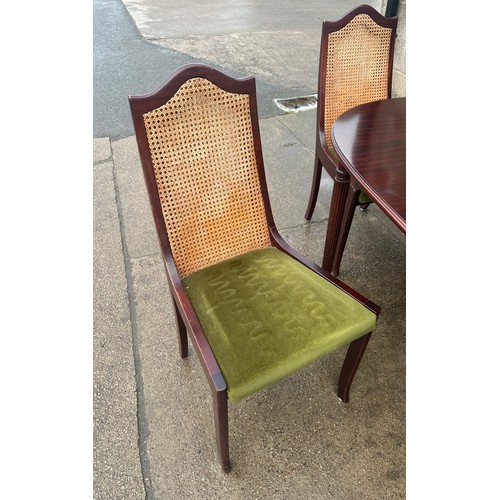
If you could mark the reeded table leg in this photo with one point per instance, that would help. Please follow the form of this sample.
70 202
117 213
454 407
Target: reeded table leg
337 207
349 208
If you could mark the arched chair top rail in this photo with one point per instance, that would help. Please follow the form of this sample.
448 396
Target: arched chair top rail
148 102
386 22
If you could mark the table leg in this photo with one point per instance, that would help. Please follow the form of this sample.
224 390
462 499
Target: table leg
337 206
349 207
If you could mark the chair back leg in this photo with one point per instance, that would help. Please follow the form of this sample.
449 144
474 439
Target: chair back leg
351 362
181 329
313 197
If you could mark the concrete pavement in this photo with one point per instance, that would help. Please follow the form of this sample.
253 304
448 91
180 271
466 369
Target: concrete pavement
153 423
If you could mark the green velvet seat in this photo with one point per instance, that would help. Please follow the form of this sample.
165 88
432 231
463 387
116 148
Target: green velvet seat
252 309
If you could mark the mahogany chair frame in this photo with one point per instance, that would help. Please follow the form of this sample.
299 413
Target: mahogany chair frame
323 158
187 320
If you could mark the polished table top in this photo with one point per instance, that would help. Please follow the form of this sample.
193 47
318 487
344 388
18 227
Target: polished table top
371 142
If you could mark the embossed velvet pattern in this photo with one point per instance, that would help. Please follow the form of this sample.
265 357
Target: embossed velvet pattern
266 315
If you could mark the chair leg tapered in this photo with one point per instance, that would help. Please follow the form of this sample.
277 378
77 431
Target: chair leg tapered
181 329
222 429
351 362
314 189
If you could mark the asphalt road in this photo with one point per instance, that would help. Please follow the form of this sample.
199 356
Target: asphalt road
125 63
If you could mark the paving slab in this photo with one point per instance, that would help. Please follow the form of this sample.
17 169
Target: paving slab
102 149
288 164
138 222
117 470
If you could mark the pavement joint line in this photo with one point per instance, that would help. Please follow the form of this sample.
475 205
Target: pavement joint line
304 224
106 160
156 254
142 422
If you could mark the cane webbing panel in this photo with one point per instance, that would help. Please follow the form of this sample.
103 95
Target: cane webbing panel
203 155
356 68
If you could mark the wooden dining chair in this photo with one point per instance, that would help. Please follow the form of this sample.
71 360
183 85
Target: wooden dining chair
356 59
254 309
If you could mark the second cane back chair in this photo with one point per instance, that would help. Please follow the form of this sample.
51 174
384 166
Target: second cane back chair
254 309
356 60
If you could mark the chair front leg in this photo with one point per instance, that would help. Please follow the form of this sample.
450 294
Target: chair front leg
351 362
222 428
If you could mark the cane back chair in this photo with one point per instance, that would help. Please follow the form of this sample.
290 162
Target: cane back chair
356 59
254 309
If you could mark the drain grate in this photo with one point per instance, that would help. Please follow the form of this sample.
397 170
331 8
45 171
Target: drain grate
296 104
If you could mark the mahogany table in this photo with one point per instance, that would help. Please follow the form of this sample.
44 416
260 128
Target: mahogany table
370 141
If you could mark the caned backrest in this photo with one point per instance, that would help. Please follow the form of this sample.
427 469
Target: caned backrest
203 155
358 64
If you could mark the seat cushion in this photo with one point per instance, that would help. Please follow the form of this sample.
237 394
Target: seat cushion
266 315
